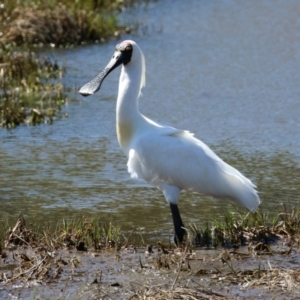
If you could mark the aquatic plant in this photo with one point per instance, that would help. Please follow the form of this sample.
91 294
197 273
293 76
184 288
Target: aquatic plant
28 92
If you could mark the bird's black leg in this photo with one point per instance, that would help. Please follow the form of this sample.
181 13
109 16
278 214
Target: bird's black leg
179 231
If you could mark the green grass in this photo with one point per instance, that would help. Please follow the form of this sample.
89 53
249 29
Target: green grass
81 233
238 229
235 229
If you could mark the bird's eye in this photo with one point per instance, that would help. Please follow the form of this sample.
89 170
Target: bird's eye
128 48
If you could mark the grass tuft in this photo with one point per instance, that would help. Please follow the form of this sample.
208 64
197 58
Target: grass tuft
239 229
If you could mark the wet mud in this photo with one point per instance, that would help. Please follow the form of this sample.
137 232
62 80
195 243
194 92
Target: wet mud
253 272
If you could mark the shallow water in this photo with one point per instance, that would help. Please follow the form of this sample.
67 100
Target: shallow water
227 71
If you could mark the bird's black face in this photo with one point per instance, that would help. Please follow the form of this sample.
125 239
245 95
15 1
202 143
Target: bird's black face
122 55
125 48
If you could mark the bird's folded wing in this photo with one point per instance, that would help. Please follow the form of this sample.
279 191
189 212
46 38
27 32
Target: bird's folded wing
179 159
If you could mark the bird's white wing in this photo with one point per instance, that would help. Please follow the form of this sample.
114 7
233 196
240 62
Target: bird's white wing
179 159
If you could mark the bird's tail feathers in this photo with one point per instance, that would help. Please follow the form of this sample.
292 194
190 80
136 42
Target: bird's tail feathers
243 191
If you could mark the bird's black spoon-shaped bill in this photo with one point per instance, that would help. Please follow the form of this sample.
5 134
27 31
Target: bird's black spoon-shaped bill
94 85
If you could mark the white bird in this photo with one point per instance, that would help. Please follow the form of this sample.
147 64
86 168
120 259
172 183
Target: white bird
168 158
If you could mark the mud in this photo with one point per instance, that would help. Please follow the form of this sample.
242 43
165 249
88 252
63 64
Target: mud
251 272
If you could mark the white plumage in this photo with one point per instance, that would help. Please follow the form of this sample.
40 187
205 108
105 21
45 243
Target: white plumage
168 158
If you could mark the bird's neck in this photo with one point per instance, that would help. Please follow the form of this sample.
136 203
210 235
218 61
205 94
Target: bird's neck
128 114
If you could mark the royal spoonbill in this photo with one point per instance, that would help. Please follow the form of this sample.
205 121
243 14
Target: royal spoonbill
168 158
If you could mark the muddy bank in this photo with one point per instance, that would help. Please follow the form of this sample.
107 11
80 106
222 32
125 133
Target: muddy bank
131 273
90 259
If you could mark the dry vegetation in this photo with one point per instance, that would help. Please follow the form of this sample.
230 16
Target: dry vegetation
59 23
248 256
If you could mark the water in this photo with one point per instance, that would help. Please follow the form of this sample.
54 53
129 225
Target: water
226 70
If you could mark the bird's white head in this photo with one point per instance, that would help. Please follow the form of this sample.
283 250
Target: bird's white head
127 54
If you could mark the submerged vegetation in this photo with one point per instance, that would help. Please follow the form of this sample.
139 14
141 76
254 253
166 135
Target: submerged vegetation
30 89
244 251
